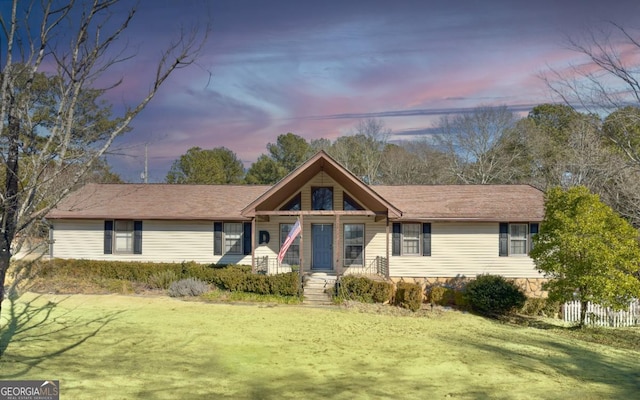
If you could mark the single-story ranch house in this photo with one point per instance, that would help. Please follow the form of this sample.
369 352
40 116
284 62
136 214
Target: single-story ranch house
424 233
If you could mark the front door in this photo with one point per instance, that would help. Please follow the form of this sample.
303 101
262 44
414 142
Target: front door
322 238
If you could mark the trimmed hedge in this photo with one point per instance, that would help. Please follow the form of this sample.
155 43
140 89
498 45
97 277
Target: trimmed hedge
242 280
493 295
409 295
447 296
363 289
131 271
230 277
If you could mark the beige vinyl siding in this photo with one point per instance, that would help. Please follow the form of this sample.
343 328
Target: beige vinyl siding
469 249
273 227
82 239
162 241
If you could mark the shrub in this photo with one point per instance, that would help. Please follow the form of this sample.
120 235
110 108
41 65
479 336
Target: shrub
493 295
409 295
162 280
134 271
285 284
231 278
459 299
543 307
382 291
436 294
356 288
241 279
188 287
363 289
447 296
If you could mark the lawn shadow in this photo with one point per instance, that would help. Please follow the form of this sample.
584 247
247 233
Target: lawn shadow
572 359
364 381
31 324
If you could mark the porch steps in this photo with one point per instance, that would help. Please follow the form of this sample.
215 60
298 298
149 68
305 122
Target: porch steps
314 286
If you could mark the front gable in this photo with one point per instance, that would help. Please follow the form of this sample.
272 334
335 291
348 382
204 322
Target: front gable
312 182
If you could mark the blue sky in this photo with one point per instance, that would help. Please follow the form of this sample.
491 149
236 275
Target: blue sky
316 68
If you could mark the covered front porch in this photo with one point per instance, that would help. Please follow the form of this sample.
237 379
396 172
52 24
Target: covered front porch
331 242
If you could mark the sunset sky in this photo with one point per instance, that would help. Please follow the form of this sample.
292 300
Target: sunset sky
315 68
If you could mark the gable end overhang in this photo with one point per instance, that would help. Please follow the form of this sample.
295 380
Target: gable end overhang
320 162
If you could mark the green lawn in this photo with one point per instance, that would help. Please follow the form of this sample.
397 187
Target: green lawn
128 347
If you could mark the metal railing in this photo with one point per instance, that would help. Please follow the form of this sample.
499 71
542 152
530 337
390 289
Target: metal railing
270 266
377 266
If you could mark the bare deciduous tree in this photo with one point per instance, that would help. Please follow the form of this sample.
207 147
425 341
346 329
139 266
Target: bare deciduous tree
607 82
361 152
473 144
75 43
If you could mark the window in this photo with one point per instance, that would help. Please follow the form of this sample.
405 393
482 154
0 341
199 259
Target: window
293 204
349 204
322 198
515 238
411 239
233 238
292 256
353 244
123 237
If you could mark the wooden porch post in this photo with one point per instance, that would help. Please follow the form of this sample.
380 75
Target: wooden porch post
388 260
338 266
253 245
301 245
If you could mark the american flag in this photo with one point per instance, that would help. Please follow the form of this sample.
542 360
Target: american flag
293 233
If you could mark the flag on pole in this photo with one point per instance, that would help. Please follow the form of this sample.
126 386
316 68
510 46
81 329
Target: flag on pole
293 233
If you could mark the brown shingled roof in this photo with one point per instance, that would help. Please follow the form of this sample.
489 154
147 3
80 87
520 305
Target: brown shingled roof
466 202
216 202
157 201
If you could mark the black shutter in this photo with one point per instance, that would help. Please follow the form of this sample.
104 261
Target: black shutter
108 237
396 241
217 238
246 238
426 239
533 230
504 239
137 237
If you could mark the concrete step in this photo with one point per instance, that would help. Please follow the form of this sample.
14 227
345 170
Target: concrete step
314 285
314 289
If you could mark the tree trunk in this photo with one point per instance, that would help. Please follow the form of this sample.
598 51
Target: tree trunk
583 313
4 266
11 203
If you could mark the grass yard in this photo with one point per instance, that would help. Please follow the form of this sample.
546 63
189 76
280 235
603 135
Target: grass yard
137 347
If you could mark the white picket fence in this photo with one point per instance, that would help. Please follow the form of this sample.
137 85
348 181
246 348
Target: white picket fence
598 315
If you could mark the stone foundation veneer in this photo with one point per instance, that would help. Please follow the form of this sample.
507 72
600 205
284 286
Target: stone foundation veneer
532 286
